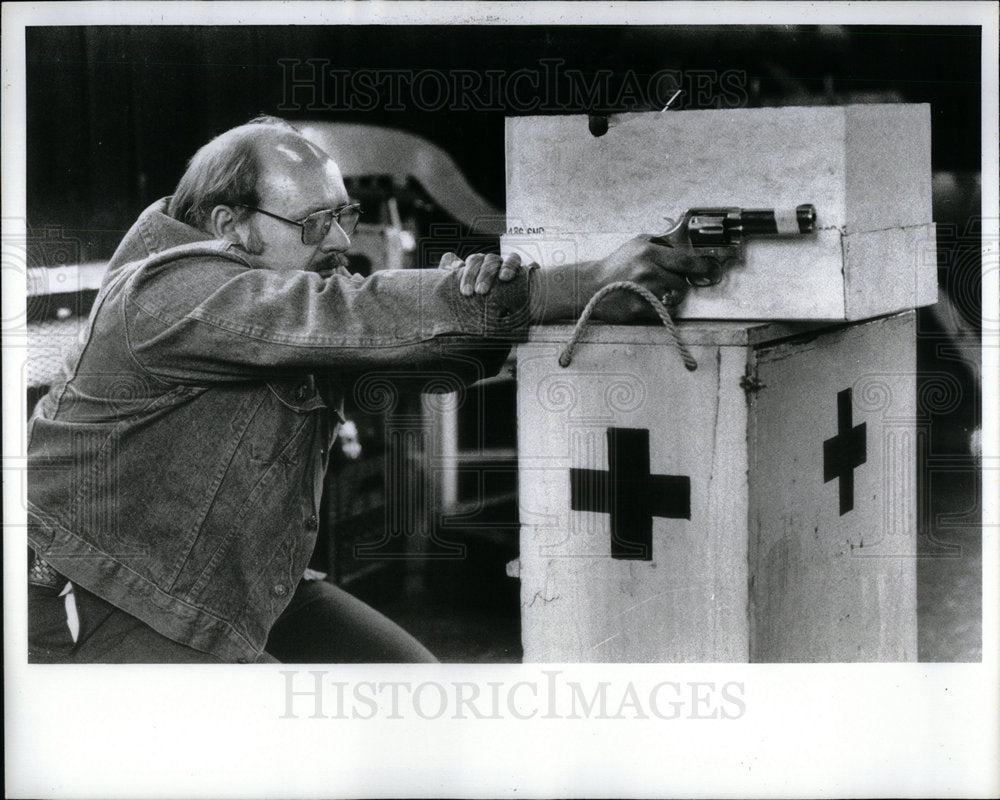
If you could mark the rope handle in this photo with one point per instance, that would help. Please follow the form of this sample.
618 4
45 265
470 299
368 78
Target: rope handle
566 356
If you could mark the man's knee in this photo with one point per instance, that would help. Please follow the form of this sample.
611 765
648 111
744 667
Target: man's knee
325 624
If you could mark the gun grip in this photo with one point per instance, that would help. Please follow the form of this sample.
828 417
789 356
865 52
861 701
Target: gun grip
720 258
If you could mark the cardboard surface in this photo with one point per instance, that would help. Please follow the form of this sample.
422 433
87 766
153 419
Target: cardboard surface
573 197
765 567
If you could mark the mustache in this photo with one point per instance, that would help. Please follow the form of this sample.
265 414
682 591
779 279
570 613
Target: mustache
330 263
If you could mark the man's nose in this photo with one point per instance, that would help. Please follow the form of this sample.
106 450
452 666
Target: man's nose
335 240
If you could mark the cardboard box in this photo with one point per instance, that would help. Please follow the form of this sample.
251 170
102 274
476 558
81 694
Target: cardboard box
759 508
574 197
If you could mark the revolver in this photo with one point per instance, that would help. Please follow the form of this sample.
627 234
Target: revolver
714 231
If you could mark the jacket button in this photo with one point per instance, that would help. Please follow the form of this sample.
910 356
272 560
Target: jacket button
279 589
311 522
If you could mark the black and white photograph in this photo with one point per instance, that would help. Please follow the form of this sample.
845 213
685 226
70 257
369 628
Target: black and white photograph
506 399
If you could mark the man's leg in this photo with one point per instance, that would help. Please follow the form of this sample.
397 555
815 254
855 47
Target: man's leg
325 625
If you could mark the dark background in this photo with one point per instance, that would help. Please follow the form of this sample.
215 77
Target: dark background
113 114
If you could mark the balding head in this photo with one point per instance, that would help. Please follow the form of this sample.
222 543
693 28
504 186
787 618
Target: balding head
255 185
228 169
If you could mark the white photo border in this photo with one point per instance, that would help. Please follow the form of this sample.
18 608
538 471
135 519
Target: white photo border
794 730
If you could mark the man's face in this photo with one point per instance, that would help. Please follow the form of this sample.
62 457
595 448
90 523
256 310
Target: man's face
297 178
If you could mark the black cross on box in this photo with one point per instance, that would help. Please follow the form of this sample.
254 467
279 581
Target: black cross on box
630 494
845 451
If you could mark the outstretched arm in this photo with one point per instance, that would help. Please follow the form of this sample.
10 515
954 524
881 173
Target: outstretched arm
560 292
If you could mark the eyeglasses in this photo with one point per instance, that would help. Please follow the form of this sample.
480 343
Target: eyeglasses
316 226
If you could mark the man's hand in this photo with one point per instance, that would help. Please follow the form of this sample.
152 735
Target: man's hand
561 292
664 269
480 271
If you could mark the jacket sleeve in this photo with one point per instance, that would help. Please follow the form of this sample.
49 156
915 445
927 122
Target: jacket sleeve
199 320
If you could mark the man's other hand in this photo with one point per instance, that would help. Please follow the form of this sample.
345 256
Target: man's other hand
481 271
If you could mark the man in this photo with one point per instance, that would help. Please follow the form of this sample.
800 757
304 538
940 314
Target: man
175 468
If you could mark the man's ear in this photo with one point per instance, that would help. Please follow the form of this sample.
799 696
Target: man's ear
222 224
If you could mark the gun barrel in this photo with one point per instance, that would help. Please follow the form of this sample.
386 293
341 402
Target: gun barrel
768 222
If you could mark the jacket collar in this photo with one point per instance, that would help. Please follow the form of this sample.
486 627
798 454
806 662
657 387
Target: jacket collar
155 231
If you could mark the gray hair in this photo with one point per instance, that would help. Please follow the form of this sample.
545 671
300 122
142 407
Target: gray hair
224 172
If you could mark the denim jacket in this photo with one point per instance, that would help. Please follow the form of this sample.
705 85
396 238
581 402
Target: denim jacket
175 466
